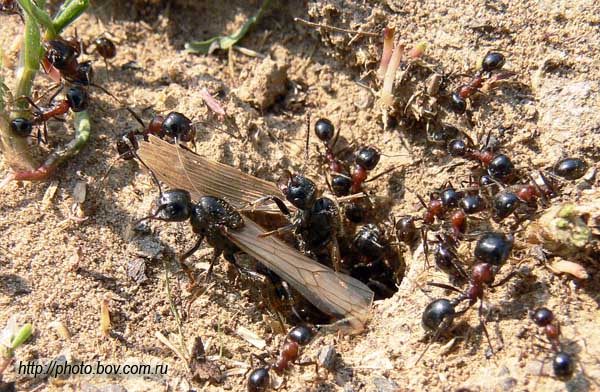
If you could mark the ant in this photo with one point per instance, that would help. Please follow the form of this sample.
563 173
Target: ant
104 46
507 201
377 264
259 379
316 220
344 181
10 7
570 168
492 61
463 203
405 229
491 252
563 363
62 55
499 166
76 99
175 126
208 218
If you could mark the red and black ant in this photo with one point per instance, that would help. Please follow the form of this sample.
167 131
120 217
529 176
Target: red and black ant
76 99
346 181
10 7
492 61
175 126
563 363
491 252
259 379
499 166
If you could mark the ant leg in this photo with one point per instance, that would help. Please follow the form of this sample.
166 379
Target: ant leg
508 277
381 174
187 254
216 255
280 204
425 246
444 286
279 230
482 323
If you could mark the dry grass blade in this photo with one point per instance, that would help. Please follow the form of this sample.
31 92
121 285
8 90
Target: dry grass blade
335 294
180 168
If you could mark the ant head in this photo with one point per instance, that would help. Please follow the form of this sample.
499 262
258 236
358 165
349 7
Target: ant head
406 229
504 204
324 130
85 73
179 127
301 335
211 211
493 248
77 98
501 167
174 205
563 365
570 168
105 47
542 316
60 54
438 315
368 241
259 380
443 135
298 190
450 197
367 158
457 148
472 203
21 127
458 103
492 61
341 184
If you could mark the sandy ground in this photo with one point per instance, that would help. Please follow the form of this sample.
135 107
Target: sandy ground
56 269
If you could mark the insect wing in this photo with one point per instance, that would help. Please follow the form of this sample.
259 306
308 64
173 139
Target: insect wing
333 293
184 169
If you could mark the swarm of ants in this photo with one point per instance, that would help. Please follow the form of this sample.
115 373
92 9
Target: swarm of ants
336 252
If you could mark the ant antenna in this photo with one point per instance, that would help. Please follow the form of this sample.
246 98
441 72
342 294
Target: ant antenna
306 149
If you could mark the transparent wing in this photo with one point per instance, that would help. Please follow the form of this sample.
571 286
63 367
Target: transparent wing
181 168
333 293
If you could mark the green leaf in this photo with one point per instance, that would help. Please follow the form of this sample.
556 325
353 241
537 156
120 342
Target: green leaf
227 41
21 336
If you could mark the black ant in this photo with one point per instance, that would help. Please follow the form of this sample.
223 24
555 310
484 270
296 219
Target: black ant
374 261
316 220
76 99
175 126
209 218
259 379
491 252
563 363
492 61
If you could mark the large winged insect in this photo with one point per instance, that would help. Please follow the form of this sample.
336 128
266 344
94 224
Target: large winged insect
333 293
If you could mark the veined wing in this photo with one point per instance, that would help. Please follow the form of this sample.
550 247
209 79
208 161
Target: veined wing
333 293
181 168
